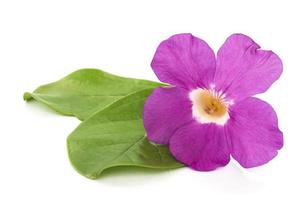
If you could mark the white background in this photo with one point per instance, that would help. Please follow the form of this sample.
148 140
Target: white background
42 41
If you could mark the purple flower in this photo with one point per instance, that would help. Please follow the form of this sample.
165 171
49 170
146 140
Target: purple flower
209 113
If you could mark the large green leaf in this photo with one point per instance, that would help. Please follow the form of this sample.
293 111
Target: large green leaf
115 136
86 91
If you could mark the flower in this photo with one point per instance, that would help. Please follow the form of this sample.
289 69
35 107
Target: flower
208 113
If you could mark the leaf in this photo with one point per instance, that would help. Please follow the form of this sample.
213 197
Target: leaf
115 136
86 91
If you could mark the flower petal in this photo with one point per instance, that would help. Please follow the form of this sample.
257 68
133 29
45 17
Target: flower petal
253 132
184 60
165 110
201 146
243 69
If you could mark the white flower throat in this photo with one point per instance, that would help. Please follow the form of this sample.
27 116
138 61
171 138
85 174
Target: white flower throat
209 106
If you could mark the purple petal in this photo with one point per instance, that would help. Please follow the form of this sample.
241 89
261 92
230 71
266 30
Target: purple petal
165 110
253 132
201 146
184 60
243 69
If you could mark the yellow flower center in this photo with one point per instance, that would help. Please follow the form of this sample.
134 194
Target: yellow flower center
209 106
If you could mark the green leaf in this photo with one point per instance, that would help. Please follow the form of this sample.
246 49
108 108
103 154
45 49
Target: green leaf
115 136
86 91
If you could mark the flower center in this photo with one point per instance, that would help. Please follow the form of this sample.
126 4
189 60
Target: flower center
209 106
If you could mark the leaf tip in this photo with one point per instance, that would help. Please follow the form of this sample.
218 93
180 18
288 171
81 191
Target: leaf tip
27 96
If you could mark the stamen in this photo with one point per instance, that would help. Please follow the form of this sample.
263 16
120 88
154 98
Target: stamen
209 106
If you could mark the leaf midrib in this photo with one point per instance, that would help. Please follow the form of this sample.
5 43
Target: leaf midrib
110 163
